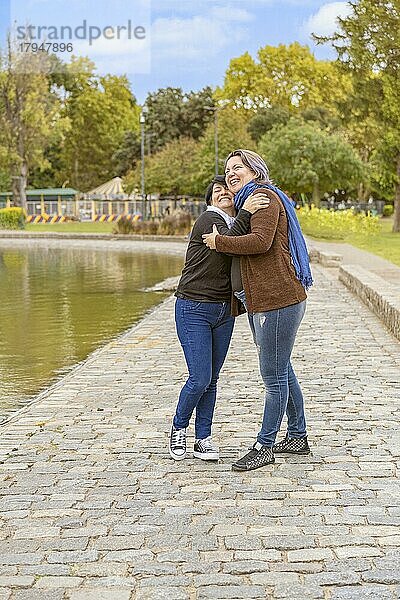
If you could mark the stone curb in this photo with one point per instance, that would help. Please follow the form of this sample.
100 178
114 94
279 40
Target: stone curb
326 259
90 236
378 294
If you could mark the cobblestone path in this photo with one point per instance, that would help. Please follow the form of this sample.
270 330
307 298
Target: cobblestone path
93 508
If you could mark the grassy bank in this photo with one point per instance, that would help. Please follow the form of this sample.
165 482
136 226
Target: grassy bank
385 243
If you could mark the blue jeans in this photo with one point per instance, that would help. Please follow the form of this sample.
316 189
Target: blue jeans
204 331
274 333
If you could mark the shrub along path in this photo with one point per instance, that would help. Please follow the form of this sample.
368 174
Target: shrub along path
93 508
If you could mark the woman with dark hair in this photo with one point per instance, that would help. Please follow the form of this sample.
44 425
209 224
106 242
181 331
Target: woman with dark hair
275 273
203 318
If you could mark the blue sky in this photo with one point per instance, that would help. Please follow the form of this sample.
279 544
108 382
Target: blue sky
189 43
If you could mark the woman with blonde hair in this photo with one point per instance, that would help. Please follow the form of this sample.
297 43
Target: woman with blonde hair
275 273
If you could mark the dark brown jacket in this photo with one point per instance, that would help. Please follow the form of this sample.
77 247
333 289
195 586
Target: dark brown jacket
268 275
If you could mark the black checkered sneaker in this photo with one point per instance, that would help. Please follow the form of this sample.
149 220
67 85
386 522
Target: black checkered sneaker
205 449
259 456
292 446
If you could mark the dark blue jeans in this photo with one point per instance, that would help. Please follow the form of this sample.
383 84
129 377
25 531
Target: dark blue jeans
204 331
274 333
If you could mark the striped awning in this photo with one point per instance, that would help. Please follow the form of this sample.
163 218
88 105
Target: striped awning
109 190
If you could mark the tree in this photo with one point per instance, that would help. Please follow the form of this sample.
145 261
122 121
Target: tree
28 116
173 114
101 111
267 118
169 171
232 134
286 76
368 46
303 158
127 155
186 166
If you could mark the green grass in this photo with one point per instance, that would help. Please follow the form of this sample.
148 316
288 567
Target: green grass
385 243
73 227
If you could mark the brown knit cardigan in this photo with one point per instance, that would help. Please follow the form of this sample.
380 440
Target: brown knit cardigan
268 275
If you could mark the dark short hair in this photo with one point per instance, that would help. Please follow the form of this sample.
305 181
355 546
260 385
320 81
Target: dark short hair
217 179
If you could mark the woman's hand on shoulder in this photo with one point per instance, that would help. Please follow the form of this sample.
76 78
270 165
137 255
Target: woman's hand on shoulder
256 202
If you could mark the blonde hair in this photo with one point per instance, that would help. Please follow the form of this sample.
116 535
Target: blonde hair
254 162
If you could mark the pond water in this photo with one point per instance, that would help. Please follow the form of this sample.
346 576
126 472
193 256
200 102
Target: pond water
60 304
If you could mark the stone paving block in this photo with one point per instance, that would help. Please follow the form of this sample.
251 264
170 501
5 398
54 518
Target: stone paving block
86 593
99 569
73 557
58 582
45 569
152 568
16 581
274 578
362 592
220 579
240 542
8 570
165 593
288 542
245 566
38 594
128 555
389 577
118 542
298 567
310 554
36 532
28 558
355 551
333 578
263 555
231 592
94 530
296 591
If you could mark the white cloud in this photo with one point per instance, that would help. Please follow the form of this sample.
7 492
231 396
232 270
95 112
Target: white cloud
196 39
231 14
324 21
117 55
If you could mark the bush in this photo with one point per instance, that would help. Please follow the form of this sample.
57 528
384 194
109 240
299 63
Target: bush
330 224
388 210
177 223
12 218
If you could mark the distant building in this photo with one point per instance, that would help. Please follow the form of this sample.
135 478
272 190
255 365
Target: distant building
49 201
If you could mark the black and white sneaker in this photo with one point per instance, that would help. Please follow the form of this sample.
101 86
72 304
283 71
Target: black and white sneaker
177 443
259 456
206 449
292 446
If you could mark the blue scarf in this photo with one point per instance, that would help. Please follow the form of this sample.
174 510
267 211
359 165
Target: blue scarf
297 244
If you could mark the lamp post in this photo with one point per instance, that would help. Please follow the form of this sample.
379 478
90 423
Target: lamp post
142 121
215 110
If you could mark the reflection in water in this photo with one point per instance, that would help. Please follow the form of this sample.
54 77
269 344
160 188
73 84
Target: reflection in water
58 305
